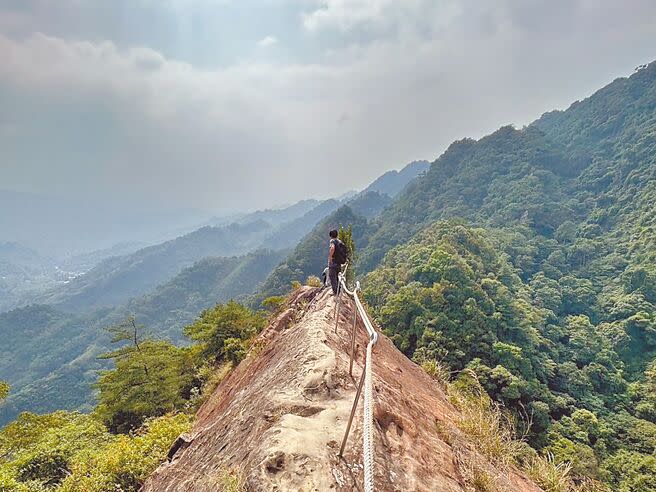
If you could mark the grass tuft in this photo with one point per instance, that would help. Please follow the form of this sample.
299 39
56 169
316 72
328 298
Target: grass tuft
231 480
313 281
478 477
551 476
486 424
438 371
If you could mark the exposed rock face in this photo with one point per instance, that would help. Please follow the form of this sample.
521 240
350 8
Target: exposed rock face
281 415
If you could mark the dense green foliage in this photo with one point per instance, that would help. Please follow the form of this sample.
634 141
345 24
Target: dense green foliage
153 377
450 295
592 164
74 452
46 357
149 379
144 402
225 331
550 297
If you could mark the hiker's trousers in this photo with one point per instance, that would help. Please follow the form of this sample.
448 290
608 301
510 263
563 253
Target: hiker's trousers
333 271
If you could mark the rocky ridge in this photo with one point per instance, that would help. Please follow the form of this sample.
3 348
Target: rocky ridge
278 419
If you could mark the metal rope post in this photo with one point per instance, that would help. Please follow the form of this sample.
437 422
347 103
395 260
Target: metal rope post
366 381
353 409
338 305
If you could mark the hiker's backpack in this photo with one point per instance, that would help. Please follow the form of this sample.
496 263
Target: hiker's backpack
341 252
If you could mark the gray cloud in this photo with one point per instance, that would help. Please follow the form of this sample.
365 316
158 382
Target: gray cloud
92 116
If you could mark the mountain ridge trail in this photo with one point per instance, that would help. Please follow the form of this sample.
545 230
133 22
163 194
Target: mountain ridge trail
280 416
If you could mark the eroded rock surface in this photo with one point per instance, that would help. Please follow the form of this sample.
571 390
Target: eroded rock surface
281 415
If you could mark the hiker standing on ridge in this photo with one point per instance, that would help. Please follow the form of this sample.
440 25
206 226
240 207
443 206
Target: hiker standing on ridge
336 258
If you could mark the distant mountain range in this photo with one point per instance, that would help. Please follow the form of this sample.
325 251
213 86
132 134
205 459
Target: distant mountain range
282 215
21 256
392 182
23 273
86 261
51 359
120 278
117 279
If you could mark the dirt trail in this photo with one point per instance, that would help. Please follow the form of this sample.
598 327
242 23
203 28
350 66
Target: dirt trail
281 415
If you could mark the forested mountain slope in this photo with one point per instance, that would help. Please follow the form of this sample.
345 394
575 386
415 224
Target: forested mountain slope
118 279
589 159
544 282
288 234
50 357
208 282
529 258
369 204
279 216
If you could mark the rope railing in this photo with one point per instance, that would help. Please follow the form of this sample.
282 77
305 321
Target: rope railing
366 380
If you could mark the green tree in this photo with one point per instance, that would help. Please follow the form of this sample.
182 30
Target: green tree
149 379
219 330
632 472
346 236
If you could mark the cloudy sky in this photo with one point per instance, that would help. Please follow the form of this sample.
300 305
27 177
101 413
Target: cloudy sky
225 104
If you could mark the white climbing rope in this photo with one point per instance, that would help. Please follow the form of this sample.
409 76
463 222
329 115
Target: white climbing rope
368 411
368 424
